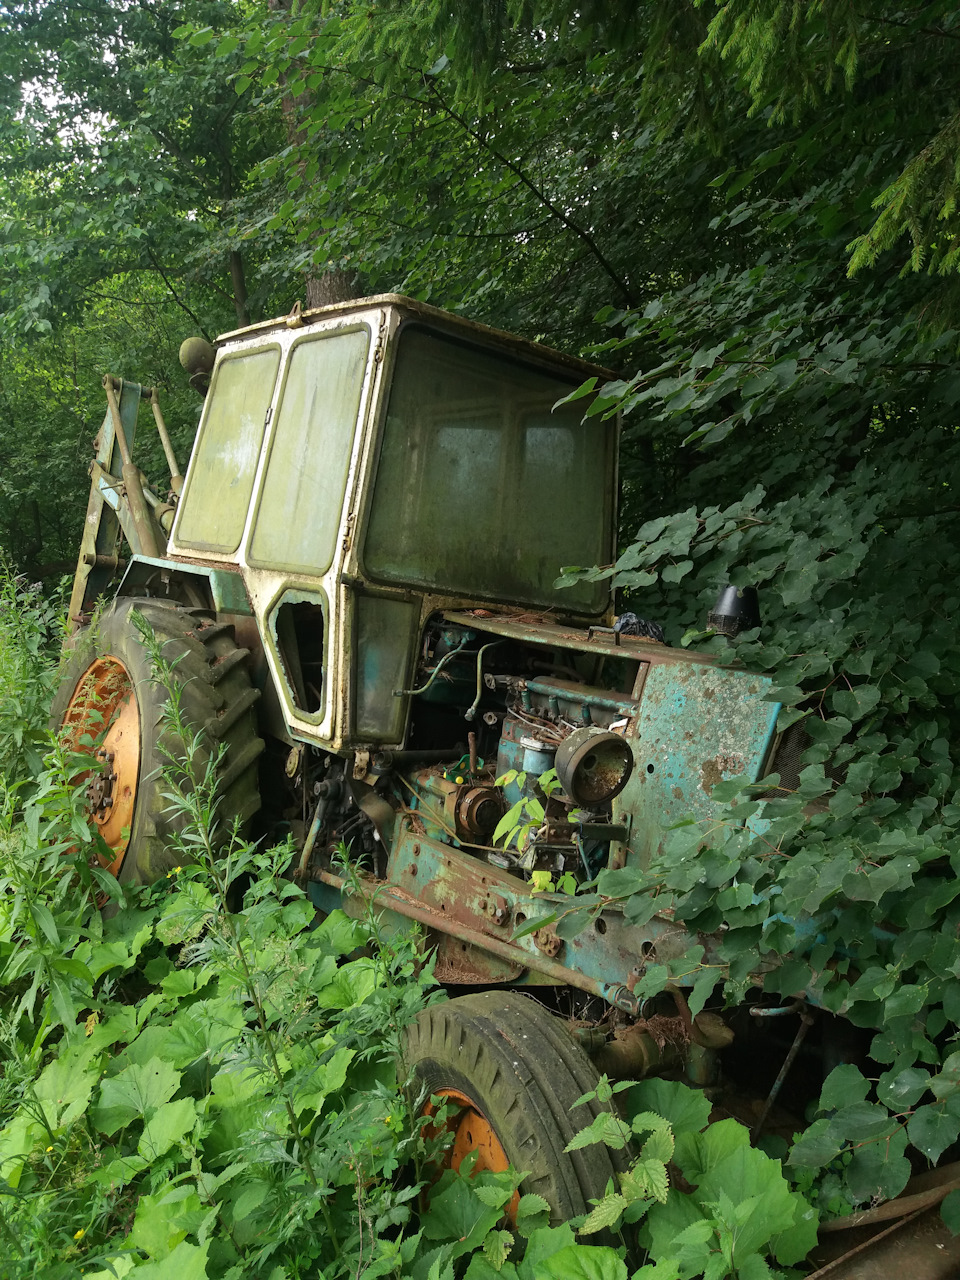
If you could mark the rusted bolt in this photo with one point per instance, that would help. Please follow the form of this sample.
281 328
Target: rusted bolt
416 851
547 941
496 908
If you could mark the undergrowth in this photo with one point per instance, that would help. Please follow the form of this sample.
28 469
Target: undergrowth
192 1088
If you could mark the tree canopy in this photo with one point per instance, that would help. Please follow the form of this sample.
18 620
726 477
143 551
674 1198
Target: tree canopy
746 209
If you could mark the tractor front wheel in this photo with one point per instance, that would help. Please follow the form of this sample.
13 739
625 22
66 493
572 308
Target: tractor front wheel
111 708
514 1072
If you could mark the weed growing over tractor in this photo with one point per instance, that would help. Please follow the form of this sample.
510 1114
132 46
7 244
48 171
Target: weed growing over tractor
200 1080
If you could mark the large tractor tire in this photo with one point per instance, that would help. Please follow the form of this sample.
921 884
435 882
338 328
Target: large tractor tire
515 1073
111 707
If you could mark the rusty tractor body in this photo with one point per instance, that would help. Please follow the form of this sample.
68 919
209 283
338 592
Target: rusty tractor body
377 507
380 499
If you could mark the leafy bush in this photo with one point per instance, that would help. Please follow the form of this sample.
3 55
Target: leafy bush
858 634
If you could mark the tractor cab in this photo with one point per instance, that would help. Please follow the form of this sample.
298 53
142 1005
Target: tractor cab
372 464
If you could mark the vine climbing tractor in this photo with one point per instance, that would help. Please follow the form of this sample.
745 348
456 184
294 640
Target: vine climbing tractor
355 587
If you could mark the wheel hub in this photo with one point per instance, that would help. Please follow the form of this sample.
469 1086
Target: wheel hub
100 787
472 1131
102 723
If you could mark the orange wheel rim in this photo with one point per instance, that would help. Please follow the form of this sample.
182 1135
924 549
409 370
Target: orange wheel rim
102 722
472 1131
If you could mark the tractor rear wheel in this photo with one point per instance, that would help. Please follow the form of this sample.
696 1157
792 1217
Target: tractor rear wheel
111 707
515 1073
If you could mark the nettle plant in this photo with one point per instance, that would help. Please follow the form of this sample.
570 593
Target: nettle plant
857 579
196 1088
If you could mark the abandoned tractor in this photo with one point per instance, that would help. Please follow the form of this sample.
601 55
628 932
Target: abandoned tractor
354 586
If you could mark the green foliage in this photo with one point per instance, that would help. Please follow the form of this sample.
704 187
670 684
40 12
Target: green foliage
843 885
29 628
207 1088
705 174
126 155
738 1210
792 56
194 1099
126 152
526 815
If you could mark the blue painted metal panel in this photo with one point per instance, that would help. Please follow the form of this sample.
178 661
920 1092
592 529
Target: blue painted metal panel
698 725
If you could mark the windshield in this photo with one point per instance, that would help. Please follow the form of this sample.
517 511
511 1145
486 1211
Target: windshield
214 507
302 500
482 488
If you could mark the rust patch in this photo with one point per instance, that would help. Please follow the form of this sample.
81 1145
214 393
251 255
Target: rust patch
712 771
459 963
710 775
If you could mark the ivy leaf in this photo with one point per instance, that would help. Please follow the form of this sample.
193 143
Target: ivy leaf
857 702
621 881
816 1146
844 1086
533 923
703 985
950 1212
932 1129
674 572
585 388
902 1089
878 1169
572 923
947 1081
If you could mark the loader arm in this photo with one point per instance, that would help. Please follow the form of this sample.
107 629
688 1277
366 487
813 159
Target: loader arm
121 505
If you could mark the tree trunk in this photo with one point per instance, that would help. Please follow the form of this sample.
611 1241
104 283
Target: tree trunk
332 286
335 285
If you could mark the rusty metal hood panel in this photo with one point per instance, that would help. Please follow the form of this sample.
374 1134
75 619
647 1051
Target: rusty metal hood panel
539 628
